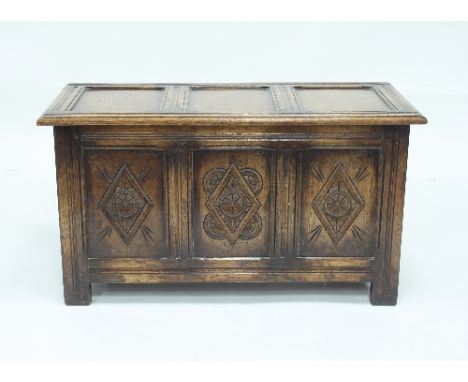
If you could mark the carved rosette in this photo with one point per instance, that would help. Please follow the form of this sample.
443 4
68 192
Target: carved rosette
125 204
232 204
338 203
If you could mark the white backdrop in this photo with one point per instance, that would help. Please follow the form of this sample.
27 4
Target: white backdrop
427 62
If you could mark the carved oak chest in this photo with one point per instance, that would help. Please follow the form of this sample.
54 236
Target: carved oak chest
161 183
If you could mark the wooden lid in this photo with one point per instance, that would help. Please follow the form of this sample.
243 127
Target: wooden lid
279 103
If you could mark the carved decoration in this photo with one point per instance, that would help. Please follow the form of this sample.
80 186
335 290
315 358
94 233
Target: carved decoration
315 233
106 232
361 174
358 233
317 173
232 204
125 205
338 204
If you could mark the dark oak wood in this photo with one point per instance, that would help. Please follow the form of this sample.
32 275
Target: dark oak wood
163 183
77 288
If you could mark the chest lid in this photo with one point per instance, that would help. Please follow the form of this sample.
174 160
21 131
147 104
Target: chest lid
259 103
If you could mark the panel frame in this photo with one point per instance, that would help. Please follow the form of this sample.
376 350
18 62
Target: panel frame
384 286
76 280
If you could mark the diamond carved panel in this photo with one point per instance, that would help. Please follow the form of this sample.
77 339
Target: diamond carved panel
338 203
232 204
125 204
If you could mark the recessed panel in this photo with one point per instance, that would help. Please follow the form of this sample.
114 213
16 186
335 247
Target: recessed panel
240 101
339 202
125 206
233 196
110 100
340 100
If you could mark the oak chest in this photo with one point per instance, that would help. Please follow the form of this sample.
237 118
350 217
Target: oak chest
161 183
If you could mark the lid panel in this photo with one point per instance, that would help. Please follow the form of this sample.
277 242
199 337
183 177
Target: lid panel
111 100
231 101
341 100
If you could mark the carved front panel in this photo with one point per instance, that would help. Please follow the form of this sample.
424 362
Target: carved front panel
232 200
125 203
339 201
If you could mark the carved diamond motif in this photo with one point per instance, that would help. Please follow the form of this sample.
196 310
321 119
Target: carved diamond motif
232 204
125 204
338 203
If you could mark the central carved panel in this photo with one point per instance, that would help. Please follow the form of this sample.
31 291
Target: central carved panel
232 204
233 193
